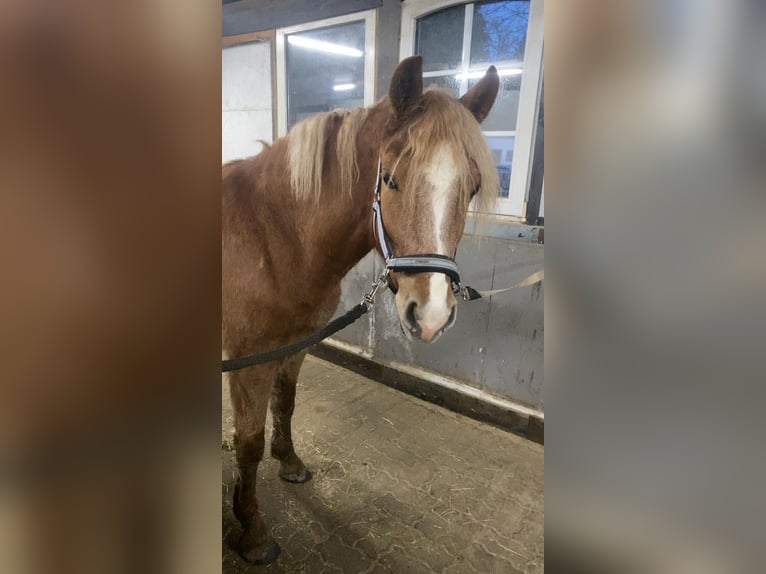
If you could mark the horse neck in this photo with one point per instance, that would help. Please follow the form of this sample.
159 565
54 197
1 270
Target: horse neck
337 228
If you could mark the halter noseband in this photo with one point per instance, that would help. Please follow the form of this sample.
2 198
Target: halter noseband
415 263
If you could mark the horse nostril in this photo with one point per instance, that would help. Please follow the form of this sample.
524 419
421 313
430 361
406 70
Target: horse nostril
410 314
452 314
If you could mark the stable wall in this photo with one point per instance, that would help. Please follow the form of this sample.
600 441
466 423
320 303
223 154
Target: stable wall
246 100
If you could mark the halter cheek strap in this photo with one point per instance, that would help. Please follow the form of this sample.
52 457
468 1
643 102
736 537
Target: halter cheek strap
415 263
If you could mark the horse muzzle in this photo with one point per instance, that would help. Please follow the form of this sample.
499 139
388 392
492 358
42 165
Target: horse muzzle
426 308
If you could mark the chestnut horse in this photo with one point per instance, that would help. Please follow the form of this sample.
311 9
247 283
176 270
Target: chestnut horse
297 217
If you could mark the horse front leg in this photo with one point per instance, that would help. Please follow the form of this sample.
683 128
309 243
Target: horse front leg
291 468
250 392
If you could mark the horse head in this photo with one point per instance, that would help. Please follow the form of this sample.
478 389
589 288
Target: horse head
434 161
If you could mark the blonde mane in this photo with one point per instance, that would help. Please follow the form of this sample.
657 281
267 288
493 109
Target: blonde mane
444 119
307 150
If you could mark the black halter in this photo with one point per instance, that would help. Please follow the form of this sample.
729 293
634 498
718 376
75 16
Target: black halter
415 263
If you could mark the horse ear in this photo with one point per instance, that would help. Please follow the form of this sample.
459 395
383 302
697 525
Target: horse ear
406 84
480 98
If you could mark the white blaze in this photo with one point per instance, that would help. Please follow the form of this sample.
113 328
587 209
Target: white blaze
441 175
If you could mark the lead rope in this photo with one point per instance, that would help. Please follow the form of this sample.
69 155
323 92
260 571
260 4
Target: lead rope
471 294
330 329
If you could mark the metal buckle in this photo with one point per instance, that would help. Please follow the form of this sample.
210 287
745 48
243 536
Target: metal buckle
369 297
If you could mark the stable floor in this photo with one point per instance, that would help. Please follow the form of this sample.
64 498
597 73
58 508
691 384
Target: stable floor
400 485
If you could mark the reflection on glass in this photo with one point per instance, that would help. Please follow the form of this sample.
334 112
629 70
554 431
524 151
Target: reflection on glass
320 46
439 39
499 31
449 83
325 70
502 151
502 117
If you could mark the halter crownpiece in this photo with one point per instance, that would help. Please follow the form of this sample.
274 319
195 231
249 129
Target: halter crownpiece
414 263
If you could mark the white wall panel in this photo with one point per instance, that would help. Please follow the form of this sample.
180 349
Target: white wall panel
246 99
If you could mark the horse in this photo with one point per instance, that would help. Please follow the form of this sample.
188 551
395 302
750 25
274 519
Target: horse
297 217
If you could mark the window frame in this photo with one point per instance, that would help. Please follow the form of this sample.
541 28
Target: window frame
369 17
515 205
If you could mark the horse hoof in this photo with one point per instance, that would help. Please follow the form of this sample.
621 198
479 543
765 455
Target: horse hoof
303 475
261 556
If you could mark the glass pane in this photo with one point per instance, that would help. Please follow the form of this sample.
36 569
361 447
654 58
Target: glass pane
439 39
502 151
449 83
325 70
502 116
499 31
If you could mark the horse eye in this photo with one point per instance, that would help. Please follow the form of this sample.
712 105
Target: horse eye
390 181
475 191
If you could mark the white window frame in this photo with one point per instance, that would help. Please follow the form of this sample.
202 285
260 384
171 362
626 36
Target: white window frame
516 203
369 19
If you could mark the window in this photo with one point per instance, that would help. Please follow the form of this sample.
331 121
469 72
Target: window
458 43
325 65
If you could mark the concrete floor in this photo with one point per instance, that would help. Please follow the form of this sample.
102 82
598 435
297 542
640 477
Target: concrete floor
400 485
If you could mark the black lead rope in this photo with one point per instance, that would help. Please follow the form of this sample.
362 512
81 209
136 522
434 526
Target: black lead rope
330 329
468 293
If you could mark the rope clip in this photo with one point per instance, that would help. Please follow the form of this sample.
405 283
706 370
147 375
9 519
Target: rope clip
369 297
